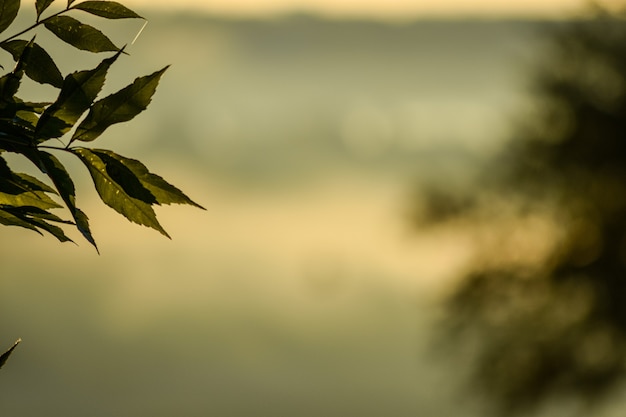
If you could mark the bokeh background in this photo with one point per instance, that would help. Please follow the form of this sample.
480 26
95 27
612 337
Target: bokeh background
305 289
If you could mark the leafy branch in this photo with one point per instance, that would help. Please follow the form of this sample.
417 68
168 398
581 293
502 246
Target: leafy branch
78 112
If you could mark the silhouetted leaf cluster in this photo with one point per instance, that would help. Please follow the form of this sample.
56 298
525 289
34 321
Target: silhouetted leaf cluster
79 114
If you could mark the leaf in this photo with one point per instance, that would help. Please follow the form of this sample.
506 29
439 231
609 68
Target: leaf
27 199
39 67
5 355
119 107
8 13
107 9
126 178
115 195
9 219
50 228
41 6
164 192
63 182
34 219
33 183
78 92
38 213
21 190
79 35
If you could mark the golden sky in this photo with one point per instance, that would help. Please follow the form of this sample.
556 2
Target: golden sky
379 8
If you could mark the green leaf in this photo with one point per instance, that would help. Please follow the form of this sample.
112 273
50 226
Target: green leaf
50 228
79 35
39 67
5 356
28 198
9 219
115 195
39 214
163 192
63 182
41 6
33 183
8 13
34 219
107 9
126 178
9 84
118 107
21 190
78 92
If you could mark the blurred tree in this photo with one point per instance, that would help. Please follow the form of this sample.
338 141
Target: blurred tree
552 326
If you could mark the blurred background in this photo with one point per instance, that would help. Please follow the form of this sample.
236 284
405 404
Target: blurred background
339 148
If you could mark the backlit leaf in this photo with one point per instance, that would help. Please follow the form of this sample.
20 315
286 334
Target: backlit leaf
114 194
20 190
55 231
78 92
42 5
34 219
79 35
118 107
65 186
9 219
39 67
33 183
107 9
27 198
164 192
8 13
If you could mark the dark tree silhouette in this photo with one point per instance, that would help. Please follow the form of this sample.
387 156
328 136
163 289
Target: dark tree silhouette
554 327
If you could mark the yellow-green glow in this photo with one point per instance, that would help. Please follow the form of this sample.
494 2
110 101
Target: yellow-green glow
377 8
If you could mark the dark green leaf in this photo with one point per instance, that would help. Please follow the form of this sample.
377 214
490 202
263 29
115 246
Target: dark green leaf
42 5
39 67
9 84
5 356
118 107
33 183
34 219
114 194
163 192
9 219
27 198
39 214
16 131
50 228
78 93
79 35
126 178
20 190
107 9
63 182
8 13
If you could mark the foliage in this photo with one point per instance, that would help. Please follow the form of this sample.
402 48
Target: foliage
77 116
554 327
5 356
